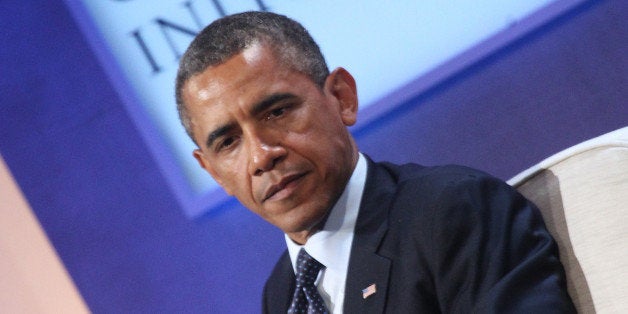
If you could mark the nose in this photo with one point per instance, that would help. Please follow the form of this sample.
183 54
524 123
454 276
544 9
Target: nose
263 155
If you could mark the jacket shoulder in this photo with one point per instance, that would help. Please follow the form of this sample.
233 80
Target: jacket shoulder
434 176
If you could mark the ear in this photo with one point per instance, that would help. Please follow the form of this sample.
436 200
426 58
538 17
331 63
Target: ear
205 164
341 85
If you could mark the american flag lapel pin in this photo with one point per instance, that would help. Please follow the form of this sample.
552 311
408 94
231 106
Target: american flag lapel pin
369 291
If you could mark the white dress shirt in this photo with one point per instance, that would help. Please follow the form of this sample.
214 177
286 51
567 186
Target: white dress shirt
331 246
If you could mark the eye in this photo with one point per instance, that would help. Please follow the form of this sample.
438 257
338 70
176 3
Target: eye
276 113
226 143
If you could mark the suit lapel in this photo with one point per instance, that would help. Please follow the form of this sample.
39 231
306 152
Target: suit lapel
278 293
366 267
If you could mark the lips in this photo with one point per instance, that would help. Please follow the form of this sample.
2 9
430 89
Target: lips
284 184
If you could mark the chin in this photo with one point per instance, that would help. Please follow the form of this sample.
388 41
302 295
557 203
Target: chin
306 224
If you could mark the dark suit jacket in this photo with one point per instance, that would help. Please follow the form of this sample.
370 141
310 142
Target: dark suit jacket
443 239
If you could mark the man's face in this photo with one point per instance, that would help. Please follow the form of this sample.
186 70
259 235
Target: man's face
273 138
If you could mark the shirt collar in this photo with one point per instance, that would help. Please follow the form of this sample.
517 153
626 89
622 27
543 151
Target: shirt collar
331 245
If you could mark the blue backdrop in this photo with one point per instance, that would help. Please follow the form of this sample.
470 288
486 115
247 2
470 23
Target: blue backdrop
77 155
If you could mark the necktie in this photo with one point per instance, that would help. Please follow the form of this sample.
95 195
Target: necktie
306 298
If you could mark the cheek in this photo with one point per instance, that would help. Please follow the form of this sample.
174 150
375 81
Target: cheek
231 176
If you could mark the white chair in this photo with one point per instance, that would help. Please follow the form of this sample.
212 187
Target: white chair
583 195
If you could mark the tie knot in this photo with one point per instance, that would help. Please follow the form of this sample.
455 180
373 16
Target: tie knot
307 268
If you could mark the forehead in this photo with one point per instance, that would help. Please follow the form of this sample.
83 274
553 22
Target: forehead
253 71
242 68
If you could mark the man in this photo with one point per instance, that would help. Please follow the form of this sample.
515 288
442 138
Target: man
270 122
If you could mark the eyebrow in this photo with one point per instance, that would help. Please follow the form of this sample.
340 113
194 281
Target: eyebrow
257 109
221 131
269 101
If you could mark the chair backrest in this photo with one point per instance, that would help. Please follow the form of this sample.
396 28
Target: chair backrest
582 193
